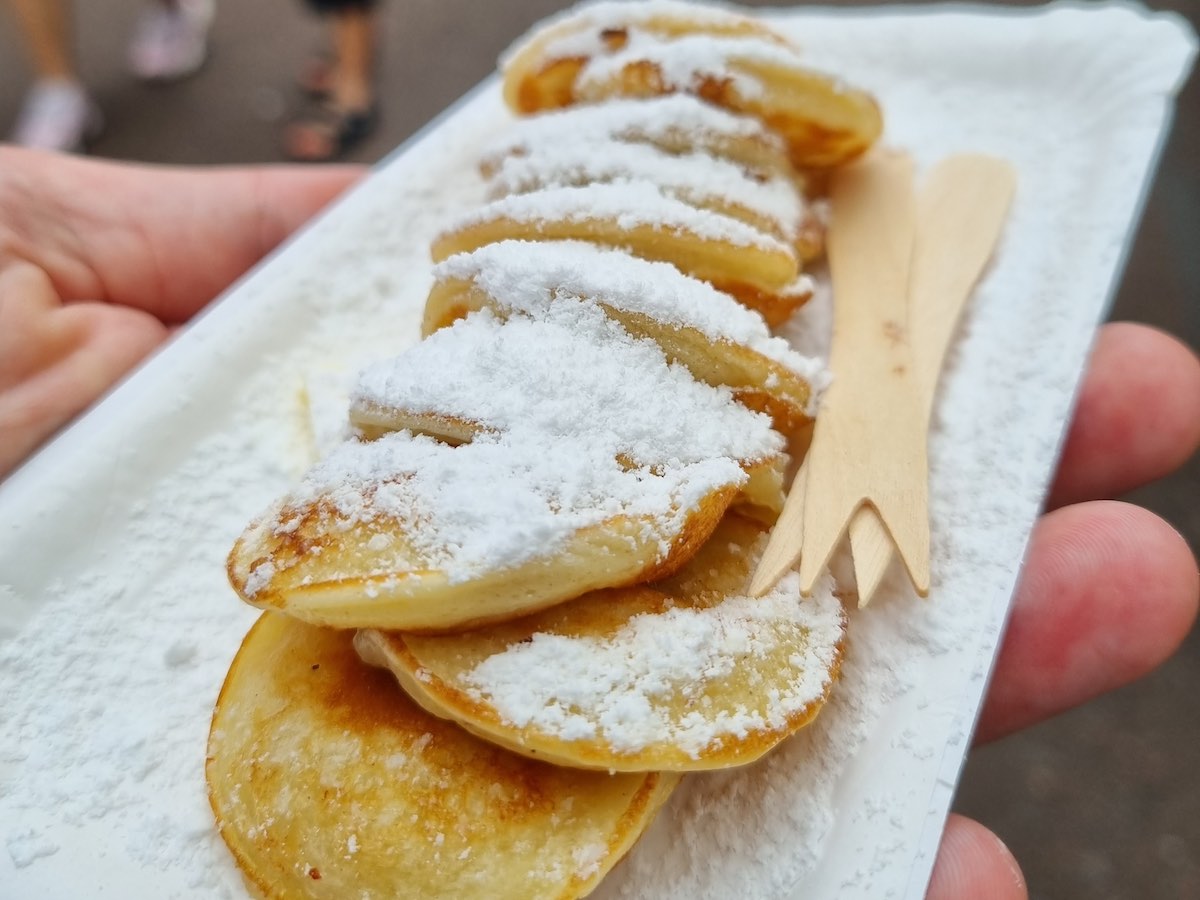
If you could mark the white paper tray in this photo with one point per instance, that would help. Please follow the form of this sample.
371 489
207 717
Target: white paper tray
116 624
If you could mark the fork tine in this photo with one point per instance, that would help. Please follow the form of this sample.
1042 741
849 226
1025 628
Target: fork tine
825 523
906 517
868 404
784 546
871 547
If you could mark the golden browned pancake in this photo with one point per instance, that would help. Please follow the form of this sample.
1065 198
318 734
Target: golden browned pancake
328 782
541 69
572 372
406 532
686 674
720 342
629 50
757 269
674 123
772 203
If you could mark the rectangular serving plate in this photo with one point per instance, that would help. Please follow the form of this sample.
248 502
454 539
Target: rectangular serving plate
117 626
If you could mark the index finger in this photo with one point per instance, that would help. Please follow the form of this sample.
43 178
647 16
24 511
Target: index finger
1137 417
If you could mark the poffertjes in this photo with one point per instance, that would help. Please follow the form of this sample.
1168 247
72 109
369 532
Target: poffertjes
486 375
409 533
760 271
689 673
544 517
590 486
328 782
772 203
602 50
719 341
675 123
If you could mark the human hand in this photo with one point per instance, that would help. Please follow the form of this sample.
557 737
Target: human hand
100 261
1108 590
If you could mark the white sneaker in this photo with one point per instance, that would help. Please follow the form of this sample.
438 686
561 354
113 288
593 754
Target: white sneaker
171 41
57 115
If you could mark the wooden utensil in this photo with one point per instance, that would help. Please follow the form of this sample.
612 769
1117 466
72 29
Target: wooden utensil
961 210
869 246
962 206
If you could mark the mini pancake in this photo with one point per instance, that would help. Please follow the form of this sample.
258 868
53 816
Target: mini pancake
686 674
771 204
719 341
760 271
573 373
407 532
327 781
617 50
674 123
540 69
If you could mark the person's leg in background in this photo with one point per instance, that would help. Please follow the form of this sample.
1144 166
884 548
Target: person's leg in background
171 39
346 111
57 113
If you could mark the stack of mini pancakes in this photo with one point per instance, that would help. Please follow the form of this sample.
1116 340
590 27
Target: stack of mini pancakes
509 614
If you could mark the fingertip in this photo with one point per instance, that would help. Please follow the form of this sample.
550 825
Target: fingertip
1120 573
973 862
1137 417
1108 592
1171 583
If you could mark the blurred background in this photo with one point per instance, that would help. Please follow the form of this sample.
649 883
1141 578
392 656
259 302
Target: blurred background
1099 803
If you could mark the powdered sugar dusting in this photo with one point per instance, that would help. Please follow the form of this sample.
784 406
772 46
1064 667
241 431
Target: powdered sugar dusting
677 120
625 435
637 687
787 801
686 62
540 492
629 205
587 859
573 373
696 178
528 276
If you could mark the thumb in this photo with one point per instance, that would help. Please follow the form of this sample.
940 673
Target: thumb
974 864
202 229
163 240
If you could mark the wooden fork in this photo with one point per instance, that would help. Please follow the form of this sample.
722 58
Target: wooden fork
961 210
901 270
